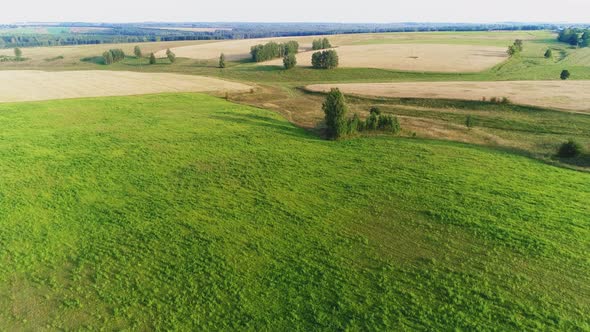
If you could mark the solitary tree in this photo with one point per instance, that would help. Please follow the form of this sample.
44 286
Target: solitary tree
469 121
137 52
171 56
335 114
325 59
565 74
222 61
18 53
569 149
548 54
152 59
289 61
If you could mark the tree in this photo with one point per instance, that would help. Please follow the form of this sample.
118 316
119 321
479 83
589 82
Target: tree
324 59
335 114
222 60
469 121
18 53
548 54
585 39
137 51
519 45
565 74
289 61
152 59
107 58
320 44
515 48
171 56
574 39
569 149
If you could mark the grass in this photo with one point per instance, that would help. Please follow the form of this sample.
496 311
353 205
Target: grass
186 212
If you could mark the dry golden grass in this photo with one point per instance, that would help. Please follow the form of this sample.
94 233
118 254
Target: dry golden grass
565 95
192 29
29 85
413 57
73 54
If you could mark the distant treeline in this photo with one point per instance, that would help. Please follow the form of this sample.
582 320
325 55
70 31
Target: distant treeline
150 32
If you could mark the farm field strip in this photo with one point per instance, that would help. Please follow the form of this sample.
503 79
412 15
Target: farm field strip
564 95
30 85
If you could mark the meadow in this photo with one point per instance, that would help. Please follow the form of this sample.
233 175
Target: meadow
188 212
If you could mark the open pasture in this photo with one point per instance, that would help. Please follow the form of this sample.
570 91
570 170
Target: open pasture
29 85
413 57
565 95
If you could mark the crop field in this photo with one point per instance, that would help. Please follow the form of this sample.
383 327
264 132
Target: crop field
192 29
36 85
179 212
566 95
413 57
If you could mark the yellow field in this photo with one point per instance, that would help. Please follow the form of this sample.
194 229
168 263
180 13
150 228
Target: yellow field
413 57
565 95
29 85
73 54
192 29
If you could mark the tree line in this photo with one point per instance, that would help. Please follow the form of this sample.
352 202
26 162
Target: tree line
575 37
113 55
320 44
272 50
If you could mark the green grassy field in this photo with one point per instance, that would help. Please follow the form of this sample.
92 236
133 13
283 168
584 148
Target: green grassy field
188 212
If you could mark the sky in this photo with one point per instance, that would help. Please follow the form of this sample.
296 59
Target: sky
340 11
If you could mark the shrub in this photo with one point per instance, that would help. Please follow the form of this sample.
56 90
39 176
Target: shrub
335 114
548 54
152 59
569 149
375 110
371 122
137 51
289 61
171 56
469 121
354 124
222 60
18 53
324 60
388 123
565 74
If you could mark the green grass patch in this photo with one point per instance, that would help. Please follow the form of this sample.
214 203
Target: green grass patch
186 212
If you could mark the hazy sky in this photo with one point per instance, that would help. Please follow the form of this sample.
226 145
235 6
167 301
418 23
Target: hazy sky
381 11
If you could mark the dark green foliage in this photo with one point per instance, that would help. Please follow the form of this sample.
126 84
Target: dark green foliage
388 123
152 59
569 149
515 48
222 60
565 74
585 42
371 122
171 56
499 100
18 53
137 51
335 109
469 121
113 55
320 44
289 61
272 50
325 60
572 37
354 124
375 110
548 54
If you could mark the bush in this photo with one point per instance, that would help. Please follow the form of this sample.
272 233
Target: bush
354 124
565 74
171 56
289 61
375 110
152 59
388 123
335 114
325 60
18 53
469 121
137 52
320 44
371 122
107 58
222 60
569 149
548 54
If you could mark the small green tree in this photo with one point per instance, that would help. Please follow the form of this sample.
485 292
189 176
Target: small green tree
565 74
335 109
222 60
137 51
325 59
548 54
107 58
289 61
569 149
171 56
469 121
152 59
18 53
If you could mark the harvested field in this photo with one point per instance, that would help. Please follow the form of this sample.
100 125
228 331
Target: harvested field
413 57
29 85
191 29
565 95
